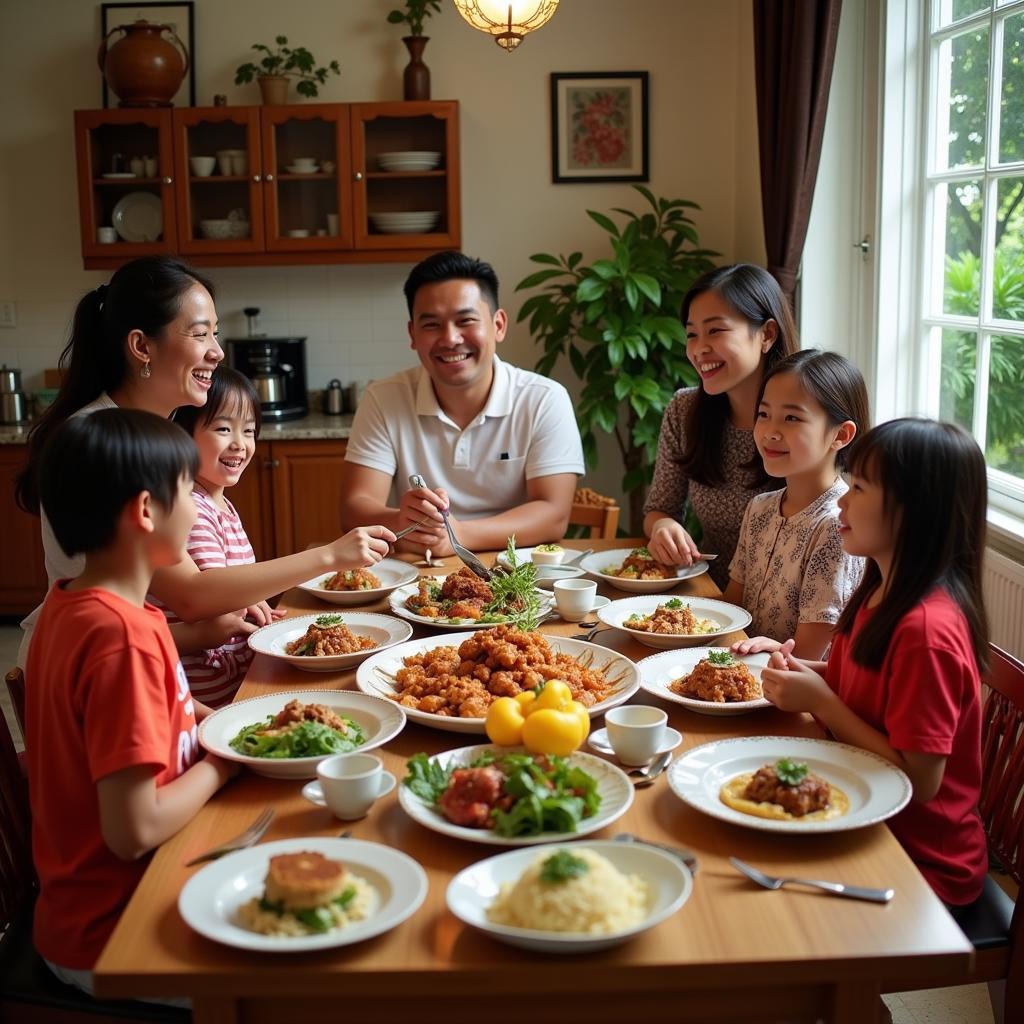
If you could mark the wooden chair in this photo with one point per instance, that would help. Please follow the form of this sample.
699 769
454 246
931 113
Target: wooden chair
996 924
602 517
16 688
29 992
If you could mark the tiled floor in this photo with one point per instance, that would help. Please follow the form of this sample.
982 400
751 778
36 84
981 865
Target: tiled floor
966 1005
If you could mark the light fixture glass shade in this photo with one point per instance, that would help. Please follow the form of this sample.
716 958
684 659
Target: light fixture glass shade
507 20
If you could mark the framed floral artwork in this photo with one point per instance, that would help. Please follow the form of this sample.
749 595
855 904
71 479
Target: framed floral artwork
599 126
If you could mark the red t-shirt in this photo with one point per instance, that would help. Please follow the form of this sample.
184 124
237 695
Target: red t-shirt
926 699
106 692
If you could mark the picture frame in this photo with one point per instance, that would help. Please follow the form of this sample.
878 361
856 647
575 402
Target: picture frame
599 129
181 18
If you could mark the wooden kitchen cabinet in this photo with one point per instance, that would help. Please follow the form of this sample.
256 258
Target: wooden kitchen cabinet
290 495
23 576
262 209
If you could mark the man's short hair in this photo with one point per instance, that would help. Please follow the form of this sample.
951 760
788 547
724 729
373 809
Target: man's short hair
452 266
93 465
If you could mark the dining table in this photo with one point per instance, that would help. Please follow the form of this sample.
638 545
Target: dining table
733 952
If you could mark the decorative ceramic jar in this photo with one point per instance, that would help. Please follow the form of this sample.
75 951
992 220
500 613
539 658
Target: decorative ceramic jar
142 67
416 77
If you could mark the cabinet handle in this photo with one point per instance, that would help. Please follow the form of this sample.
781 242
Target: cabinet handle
270 177
256 178
271 463
358 176
168 181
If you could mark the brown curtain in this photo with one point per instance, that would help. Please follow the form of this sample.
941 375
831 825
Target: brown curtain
794 51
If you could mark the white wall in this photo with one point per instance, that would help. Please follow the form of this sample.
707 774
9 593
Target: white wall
703 147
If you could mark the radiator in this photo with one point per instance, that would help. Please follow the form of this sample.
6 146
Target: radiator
1003 581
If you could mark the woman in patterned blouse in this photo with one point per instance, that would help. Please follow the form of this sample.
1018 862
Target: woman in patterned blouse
738 325
790 570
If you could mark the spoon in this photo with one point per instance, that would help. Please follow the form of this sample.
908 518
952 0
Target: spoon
646 775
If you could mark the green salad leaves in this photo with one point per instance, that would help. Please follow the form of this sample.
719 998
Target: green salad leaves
316 919
307 739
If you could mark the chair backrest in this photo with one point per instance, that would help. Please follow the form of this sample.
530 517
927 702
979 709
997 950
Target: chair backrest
17 875
1002 762
16 688
603 519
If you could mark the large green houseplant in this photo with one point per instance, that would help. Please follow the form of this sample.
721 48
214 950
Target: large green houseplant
617 321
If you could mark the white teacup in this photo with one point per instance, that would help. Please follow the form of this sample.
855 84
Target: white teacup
351 783
105 236
304 163
635 732
332 223
574 598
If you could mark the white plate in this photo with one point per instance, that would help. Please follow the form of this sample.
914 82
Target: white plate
410 160
271 640
612 783
292 169
390 571
659 671
402 594
548 575
210 899
118 175
473 890
730 617
371 676
599 603
138 217
599 741
599 561
526 555
380 719
877 789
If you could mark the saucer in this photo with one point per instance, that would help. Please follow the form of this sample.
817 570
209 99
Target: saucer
598 740
599 602
315 795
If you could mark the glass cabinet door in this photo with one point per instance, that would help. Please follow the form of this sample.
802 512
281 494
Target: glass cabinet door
307 167
406 173
219 180
125 184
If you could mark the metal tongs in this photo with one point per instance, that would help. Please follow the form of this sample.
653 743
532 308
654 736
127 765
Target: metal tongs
467 556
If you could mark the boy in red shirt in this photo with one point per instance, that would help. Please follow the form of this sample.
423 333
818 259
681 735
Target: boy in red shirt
111 738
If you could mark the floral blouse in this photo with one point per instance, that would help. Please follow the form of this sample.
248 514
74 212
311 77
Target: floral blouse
793 570
719 509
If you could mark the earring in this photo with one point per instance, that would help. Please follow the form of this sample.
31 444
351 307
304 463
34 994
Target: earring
145 373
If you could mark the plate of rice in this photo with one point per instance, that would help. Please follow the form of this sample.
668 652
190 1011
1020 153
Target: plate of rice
720 687
570 899
376 721
329 643
666 623
361 586
218 900
419 675
633 570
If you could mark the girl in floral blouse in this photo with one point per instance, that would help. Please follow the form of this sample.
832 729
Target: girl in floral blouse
738 325
790 570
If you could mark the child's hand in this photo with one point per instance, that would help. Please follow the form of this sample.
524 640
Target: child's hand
797 687
262 614
757 645
670 544
224 627
363 546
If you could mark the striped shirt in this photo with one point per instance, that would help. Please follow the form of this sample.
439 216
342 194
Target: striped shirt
217 540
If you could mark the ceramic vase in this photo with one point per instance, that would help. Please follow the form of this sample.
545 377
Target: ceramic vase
416 77
142 68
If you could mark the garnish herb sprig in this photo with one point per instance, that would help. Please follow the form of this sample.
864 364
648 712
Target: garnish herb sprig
790 772
515 591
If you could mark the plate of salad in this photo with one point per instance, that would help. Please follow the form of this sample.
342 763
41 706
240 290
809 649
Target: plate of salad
505 796
286 735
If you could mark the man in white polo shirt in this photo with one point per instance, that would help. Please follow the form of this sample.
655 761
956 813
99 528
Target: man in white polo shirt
498 445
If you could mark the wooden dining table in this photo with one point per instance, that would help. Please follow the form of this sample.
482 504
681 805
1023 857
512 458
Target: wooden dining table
733 952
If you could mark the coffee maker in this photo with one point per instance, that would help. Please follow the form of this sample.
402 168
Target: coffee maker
277 368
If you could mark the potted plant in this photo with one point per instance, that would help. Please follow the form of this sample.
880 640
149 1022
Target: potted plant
281 63
416 76
617 321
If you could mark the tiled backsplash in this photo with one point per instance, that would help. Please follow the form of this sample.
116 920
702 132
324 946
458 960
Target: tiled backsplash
353 317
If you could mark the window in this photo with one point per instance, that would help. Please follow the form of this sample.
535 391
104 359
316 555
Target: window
971 286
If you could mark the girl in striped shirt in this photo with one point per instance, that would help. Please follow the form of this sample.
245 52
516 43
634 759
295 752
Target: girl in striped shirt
225 432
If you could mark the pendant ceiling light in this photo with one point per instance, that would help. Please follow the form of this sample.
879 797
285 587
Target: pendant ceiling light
507 20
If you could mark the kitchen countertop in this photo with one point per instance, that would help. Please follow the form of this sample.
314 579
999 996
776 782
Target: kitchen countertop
317 426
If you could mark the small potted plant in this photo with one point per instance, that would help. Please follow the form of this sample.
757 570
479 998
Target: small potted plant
416 76
281 63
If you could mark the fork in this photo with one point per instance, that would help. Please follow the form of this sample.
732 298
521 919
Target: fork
855 892
467 556
409 529
252 835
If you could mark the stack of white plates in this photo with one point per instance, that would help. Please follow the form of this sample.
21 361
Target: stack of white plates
412 223
409 160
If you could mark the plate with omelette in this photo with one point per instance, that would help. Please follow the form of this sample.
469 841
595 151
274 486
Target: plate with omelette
789 784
